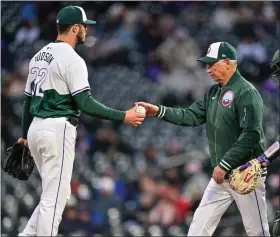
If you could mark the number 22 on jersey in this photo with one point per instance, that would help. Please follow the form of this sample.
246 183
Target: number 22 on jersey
39 78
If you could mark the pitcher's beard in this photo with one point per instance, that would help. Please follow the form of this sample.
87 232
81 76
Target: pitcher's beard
80 39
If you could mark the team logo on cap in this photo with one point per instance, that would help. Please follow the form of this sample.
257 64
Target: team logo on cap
209 49
227 98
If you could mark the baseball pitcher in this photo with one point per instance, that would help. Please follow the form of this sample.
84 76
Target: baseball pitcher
233 112
57 89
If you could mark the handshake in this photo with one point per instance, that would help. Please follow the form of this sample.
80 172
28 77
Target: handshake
136 115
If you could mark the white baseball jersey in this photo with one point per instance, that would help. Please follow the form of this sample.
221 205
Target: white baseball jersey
56 74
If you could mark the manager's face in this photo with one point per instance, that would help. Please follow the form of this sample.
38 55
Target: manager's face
218 69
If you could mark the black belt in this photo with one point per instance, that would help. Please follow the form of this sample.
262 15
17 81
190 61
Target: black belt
73 121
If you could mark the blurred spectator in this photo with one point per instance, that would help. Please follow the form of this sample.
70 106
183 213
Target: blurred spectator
150 161
82 141
106 138
269 11
249 48
126 34
70 220
196 183
28 33
171 208
224 16
15 85
147 184
8 117
149 36
174 148
29 11
163 213
179 51
103 203
76 221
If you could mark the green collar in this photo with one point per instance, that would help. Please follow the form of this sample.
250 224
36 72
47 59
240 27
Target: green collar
58 41
235 77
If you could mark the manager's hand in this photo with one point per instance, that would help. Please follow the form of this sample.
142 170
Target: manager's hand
151 110
219 175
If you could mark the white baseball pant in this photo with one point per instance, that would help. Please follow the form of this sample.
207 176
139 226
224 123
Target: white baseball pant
52 144
215 201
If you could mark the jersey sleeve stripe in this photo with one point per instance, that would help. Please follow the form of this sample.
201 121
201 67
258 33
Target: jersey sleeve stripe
26 93
226 168
78 91
163 112
160 111
225 163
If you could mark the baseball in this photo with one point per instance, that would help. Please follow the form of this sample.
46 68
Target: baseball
141 110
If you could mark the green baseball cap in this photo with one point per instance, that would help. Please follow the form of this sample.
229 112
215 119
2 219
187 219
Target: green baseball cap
71 15
218 51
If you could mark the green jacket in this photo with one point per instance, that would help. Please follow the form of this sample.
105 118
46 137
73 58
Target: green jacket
233 115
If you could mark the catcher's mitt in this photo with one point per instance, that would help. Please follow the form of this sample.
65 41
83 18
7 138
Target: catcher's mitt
245 179
18 162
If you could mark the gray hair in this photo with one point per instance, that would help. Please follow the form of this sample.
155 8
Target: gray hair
234 63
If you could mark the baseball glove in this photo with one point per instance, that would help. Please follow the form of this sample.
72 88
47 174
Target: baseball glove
18 162
245 179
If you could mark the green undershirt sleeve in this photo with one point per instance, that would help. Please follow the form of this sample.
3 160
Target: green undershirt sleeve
90 106
27 117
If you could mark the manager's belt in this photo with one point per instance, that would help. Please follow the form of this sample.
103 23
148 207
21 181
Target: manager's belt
73 121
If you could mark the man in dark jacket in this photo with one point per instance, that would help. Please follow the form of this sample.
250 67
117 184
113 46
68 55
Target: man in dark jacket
275 68
233 112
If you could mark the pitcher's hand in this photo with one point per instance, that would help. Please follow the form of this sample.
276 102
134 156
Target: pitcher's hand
133 118
22 140
151 110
